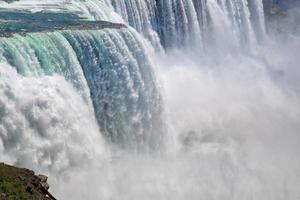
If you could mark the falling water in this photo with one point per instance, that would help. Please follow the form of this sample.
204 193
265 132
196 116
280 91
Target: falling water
170 23
109 66
195 99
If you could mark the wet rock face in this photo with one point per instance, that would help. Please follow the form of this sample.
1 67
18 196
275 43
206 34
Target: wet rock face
18 183
272 8
267 4
275 6
282 16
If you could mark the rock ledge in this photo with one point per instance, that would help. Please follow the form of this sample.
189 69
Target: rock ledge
19 183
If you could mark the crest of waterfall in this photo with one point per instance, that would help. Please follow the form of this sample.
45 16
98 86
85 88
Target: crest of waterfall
182 23
142 15
175 23
110 66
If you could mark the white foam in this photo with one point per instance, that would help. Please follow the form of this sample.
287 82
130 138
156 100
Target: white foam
45 123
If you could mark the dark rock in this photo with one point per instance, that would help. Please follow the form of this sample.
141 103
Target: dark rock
43 181
3 195
29 189
45 185
18 183
35 182
22 178
42 178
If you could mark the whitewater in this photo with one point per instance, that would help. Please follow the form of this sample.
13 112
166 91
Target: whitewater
195 99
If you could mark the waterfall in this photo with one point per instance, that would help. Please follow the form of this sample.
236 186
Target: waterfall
190 99
123 87
185 22
45 123
110 66
176 23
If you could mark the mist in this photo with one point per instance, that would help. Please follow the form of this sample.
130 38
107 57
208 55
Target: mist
233 124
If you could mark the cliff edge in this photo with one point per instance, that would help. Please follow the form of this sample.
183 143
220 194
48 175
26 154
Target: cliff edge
22 184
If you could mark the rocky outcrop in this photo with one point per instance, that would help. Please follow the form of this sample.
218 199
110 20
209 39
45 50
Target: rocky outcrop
18 183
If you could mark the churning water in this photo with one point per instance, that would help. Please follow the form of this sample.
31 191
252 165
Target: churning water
197 100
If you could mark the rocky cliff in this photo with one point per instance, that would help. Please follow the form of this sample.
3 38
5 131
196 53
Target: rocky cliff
22 184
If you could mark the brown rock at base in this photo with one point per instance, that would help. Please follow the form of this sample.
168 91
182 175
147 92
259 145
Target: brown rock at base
19 183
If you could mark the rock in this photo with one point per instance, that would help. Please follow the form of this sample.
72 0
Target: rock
42 178
3 195
22 178
35 182
43 181
29 188
18 183
45 185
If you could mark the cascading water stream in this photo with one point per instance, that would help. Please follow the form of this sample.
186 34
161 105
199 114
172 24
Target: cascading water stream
108 66
87 108
123 87
175 23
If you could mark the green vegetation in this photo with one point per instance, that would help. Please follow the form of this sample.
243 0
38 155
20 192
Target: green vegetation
14 190
15 184
11 186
